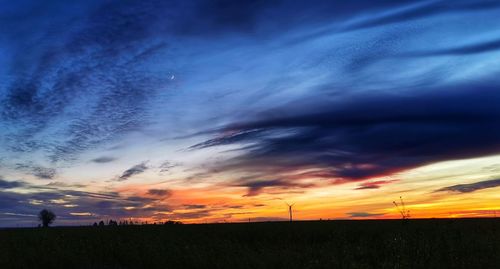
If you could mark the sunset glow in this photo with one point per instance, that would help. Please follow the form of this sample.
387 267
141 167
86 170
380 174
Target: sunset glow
201 112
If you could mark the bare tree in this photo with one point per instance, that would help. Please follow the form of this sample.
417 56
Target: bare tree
405 214
47 217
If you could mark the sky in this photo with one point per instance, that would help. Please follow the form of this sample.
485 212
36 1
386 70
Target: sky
224 111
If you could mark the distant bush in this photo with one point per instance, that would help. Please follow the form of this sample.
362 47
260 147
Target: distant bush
172 222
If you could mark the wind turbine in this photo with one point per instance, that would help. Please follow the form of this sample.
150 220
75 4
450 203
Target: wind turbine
290 210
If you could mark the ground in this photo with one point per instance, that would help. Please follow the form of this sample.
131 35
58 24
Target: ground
446 243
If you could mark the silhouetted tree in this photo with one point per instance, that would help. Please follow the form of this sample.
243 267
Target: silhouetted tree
95 224
112 223
101 223
47 217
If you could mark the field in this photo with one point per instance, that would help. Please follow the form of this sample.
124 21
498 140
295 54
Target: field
453 243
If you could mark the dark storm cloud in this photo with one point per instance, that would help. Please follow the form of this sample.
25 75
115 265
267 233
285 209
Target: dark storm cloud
363 215
472 187
134 170
103 159
368 136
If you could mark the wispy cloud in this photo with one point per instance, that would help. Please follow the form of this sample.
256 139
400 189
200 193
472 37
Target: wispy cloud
472 187
374 184
134 170
40 172
194 206
166 166
422 9
160 192
256 187
44 173
363 214
5 184
103 159
477 47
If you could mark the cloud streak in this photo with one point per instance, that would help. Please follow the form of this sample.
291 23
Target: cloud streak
5 184
134 170
472 187
103 159
493 45
374 184
256 187
363 215
370 137
160 192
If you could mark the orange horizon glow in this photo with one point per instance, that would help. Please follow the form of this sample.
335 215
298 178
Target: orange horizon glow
216 203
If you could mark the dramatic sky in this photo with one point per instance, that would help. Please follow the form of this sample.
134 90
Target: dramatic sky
220 110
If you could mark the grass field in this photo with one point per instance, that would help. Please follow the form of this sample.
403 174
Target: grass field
453 243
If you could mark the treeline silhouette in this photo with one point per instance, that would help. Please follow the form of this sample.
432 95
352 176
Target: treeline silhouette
130 222
47 217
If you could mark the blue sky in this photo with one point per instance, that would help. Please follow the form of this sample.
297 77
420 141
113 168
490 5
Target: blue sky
101 101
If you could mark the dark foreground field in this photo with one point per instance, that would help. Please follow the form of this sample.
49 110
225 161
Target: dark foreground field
466 243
